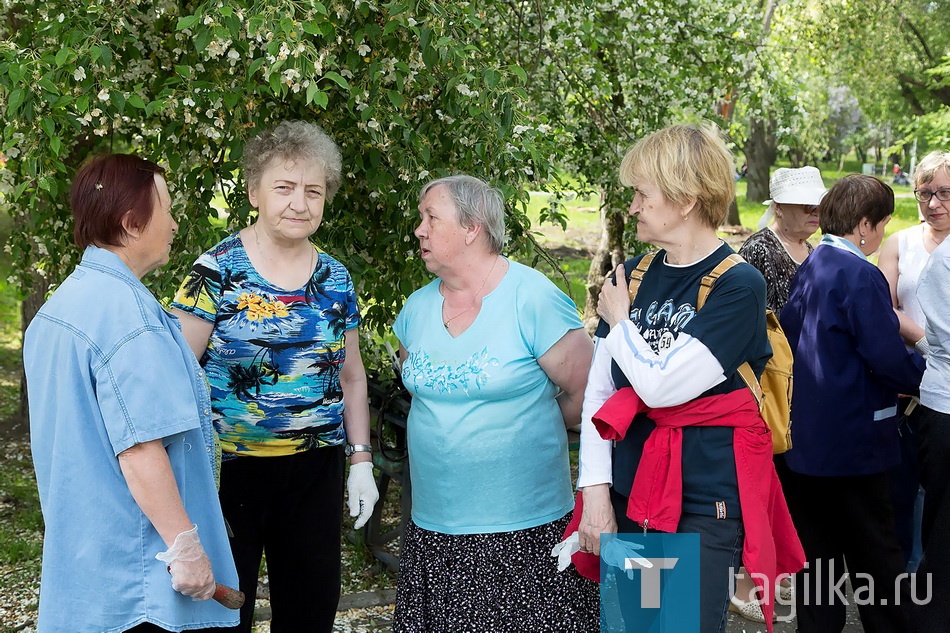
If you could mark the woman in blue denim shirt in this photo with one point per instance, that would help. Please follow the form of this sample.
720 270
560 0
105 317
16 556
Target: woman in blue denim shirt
120 427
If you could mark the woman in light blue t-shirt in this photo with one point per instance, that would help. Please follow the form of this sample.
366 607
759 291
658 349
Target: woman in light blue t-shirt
496 360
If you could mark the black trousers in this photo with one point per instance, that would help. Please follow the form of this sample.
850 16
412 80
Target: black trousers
934 458
846 526
291 509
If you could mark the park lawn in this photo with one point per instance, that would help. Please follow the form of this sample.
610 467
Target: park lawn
583 226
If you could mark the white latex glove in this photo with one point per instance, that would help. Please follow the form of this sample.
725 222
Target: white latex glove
615 553
189 566
361 493
565 549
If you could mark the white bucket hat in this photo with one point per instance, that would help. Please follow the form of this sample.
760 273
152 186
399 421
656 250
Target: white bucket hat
799 185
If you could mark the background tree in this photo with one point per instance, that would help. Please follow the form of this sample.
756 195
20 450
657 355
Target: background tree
402 87
610 72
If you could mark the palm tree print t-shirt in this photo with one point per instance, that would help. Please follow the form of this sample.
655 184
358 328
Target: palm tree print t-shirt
274 356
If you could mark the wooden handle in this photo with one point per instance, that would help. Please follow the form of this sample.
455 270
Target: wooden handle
230 598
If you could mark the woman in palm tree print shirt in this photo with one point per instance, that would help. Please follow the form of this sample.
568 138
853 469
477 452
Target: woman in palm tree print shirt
274 322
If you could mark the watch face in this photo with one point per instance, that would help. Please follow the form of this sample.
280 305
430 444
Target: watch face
348 451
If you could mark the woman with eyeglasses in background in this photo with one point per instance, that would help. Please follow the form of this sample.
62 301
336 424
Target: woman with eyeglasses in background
932 417
903 257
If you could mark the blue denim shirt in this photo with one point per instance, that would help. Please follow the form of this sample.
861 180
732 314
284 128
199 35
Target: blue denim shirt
108 368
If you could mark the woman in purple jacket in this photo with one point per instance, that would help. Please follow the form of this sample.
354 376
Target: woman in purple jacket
850 365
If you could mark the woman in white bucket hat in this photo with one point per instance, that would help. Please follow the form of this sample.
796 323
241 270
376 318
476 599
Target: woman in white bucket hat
777 249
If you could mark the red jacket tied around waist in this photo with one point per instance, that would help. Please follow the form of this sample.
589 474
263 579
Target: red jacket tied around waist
771 544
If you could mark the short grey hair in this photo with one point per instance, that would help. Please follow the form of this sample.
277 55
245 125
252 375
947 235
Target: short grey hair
927 169
476 202
293 140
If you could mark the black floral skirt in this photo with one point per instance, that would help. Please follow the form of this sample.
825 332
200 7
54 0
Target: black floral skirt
491 583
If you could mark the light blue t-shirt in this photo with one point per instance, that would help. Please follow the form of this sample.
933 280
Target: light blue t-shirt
107 368
487 442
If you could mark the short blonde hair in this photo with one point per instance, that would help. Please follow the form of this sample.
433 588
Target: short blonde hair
686 162
929 166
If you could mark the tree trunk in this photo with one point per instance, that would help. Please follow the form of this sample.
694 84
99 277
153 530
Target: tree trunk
28 309
609 255
732 218
760 152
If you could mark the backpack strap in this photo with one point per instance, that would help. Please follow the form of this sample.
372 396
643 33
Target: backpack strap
705 287
748 377
636 275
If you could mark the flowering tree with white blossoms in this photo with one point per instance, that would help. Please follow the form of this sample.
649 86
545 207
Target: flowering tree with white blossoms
399 86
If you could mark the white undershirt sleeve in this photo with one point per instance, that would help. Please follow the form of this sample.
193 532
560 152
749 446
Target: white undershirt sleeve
594 457
677 374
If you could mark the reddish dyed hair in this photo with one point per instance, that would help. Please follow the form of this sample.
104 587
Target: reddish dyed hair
104 189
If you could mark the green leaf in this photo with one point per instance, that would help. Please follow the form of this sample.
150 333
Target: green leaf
106 55
16 72
337 78
137 102
321 99
48 126
254 66
186 22
46 83
492 77
62 56
17 97
391 26
118 99
312 90
395 98
61 102
518 70
56 145
312 28
82 103
202 40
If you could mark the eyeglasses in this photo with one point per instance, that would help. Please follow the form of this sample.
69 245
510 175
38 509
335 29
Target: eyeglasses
924 195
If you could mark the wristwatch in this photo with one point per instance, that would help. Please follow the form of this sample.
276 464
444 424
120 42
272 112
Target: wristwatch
357 448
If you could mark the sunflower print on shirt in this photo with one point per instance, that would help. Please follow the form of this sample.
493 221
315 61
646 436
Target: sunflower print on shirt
274 356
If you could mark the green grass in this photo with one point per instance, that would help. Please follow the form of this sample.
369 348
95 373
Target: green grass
572 244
